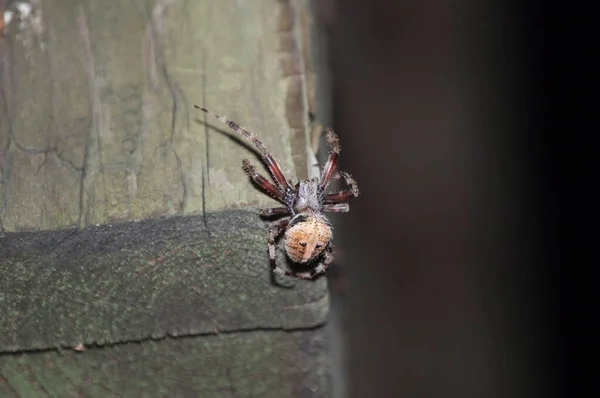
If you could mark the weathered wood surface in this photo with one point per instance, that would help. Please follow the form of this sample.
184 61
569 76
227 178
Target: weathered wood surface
98 123
130 281
124 213
263 364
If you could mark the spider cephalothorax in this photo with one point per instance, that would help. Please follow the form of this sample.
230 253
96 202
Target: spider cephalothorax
308 233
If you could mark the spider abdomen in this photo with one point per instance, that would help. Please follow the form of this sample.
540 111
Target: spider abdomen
306 238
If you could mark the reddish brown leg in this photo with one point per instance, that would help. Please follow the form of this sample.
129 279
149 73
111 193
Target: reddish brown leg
342 196
276 211
262 181
334 144
267 157
338 197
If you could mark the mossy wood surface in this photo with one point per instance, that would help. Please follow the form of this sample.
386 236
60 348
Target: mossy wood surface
130 281
124 213
265 364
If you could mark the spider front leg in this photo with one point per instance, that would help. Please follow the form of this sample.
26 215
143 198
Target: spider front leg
341 196
272 164
334 144
262 181
319 269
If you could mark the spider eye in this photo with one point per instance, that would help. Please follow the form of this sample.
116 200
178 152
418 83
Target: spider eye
318 245
303 244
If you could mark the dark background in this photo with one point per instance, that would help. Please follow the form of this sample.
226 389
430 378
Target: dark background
470 130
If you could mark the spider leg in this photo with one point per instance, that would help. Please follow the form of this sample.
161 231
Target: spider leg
274 167
318 270
274 231
275 211
334 144
337 207
261 181
341 196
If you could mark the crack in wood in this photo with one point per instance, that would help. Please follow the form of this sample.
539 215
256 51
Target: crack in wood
91 155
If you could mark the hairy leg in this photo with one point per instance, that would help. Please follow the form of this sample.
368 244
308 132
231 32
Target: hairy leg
267 157
334 152
261 181
344 195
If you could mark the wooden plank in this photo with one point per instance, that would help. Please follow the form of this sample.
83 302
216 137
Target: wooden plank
130 281
101 126
101 133
265 364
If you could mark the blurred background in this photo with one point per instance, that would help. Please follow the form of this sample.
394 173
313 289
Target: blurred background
463 123
468 125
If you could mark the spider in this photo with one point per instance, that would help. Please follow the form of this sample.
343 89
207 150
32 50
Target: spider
308 233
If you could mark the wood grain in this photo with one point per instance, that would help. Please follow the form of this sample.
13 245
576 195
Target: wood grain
99 124
126 220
